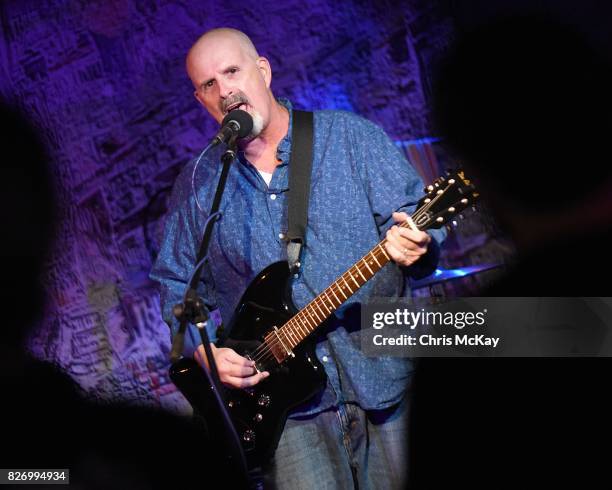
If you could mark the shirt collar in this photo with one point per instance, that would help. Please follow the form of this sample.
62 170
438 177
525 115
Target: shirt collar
284 147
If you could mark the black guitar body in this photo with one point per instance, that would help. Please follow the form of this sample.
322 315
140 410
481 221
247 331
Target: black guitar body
259 413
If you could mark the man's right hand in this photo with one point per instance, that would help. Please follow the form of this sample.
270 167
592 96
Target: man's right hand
234 370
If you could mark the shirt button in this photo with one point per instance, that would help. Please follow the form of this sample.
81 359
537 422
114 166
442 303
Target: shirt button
325 359
273 196
281 236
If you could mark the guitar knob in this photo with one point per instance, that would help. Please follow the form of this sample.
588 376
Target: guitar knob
263 401
248 436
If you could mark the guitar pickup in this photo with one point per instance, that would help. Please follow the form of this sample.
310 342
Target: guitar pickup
278 346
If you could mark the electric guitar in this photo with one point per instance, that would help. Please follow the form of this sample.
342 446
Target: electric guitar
268 329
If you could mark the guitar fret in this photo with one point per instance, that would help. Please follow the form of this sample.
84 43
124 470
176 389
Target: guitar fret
384 251
299 327
315 312
305 326
292 336
296 333
340 289
324 314
353 278
331 288
284 339
306 323
327 302
366 264
375 259
310 319
358 270
347 285
305 312
287 340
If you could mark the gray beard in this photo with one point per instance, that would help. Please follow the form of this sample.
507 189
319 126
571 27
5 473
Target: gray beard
257 126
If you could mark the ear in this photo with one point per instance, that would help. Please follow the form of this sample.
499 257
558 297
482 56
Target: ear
264 68
198 96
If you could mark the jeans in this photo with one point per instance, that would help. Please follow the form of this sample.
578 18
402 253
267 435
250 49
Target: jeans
342 448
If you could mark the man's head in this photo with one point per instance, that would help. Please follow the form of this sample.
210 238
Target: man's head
28 213
525 104
227 72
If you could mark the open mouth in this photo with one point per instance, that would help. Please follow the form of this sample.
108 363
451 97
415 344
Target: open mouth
234 106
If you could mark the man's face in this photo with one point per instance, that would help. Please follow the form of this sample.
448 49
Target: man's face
227 78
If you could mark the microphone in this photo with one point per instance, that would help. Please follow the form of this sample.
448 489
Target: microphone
238 123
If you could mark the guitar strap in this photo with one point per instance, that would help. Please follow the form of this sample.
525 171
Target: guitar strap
300 169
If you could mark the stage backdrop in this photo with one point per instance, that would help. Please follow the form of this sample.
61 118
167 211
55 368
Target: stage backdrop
104 82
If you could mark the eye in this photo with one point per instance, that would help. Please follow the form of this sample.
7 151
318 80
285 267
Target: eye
207 85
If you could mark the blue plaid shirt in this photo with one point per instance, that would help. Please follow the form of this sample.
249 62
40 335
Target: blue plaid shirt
359 177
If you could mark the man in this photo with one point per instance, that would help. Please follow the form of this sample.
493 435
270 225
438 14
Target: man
354 431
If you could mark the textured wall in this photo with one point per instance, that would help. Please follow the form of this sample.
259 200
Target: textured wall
104 82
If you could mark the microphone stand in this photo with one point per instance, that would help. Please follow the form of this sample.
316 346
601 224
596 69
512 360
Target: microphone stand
193 310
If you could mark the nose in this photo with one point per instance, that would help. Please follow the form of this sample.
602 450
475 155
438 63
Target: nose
225 89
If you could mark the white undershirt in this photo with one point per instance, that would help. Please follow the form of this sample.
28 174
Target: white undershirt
267 176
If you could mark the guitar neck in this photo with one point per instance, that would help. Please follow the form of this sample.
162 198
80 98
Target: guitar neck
320 308
444 198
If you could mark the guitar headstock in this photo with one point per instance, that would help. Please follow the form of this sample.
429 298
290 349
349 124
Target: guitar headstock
444 199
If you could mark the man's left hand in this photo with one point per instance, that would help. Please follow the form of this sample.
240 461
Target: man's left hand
404 245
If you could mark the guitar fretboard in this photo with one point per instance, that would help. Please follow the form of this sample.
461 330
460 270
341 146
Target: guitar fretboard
444 199
320 308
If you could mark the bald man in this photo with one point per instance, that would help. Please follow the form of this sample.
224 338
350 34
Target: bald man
227 73
354 432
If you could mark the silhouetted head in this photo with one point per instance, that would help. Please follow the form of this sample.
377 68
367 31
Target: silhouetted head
525 104
27 210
